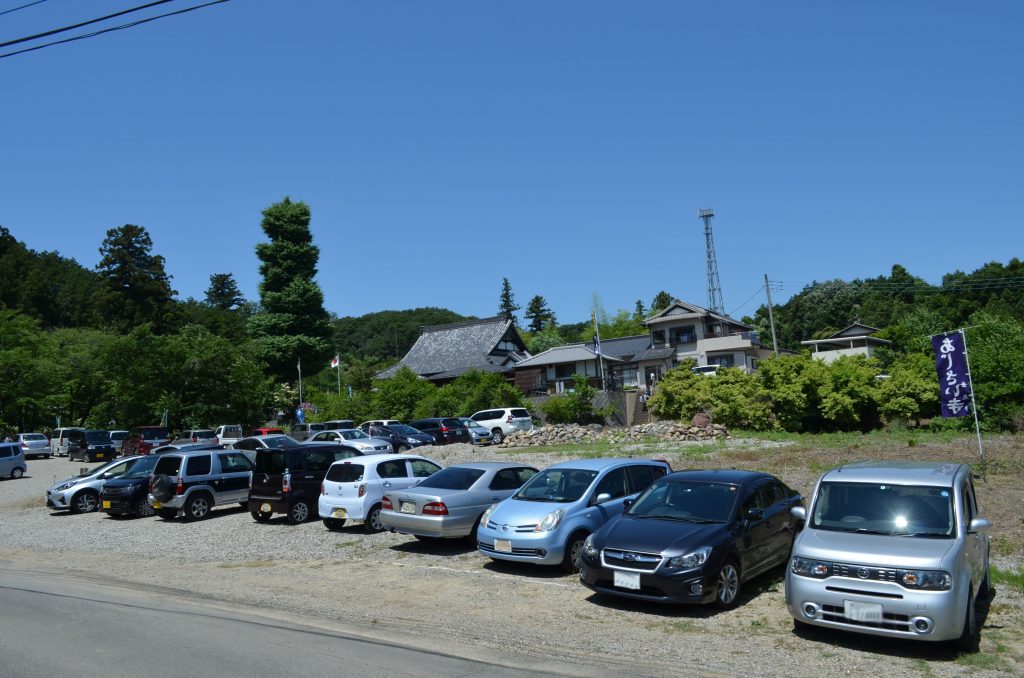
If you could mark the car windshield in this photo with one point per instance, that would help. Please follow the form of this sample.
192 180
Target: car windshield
353 434
687 501
119 435
453 478
154 433
142 468
561 485
897 510
404 430
97 437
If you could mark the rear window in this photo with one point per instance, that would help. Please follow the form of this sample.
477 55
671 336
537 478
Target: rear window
453 478
233 431
151 433
345 473
520 413
270 462
119 435
33 436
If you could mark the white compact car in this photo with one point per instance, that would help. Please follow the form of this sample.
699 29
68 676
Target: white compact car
354 487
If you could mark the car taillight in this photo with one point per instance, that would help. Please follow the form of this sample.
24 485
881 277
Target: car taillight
216 440
362 490
151 484
323 490
24 445
286 482
385 503
444 429
509 420
435 508
179 489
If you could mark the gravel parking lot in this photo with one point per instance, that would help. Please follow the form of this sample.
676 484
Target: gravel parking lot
391 584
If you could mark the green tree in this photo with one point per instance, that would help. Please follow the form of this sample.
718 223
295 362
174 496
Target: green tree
576 406
28 373
911 391
661 301
995 346
469 393
639 312
386 334
292 324
538 313
399 396
223 292
730 397
135 289
548 337
507 301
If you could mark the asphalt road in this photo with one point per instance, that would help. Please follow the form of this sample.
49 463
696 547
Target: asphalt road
63 625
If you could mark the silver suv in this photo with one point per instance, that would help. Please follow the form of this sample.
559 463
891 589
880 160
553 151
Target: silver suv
193 482
892 549
504 420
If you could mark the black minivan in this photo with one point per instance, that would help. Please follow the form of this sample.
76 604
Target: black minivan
90 446
288 480
444 429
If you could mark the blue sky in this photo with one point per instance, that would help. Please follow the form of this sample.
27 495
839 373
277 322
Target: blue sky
565 145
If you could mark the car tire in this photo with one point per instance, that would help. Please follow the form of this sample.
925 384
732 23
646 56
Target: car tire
198 506
574 551
167 513
728 582
499 436
970 637
334 524
85 501
142 509
260 516
299 512
401 448
17 473
372 523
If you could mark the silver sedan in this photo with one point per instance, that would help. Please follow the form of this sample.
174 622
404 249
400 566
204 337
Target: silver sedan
353 437
449 503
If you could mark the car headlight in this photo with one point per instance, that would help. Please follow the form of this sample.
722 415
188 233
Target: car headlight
806 567
65 486
550 521
689 561
589 549
931 580
487 514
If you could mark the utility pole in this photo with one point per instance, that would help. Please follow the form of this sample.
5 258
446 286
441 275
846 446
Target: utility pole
771 315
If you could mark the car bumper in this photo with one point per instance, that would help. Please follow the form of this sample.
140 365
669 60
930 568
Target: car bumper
57 500
429 526
341 510
117 504
258 504
822 602
482 439
175 502
689 587
543 548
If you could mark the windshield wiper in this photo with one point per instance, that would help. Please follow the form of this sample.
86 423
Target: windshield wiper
926 535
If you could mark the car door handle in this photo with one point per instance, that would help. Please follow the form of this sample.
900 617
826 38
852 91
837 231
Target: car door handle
387 484
495 498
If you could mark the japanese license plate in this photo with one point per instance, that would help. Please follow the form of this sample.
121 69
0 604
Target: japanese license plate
503 546
340 513
265 507
627 580
106 503
156 504
862 612
407 507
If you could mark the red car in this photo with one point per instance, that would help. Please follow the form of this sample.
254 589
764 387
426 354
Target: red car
266 431
142 439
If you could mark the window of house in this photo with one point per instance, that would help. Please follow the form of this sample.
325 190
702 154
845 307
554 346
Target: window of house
627 377
722 361
658 336
565 371
684 335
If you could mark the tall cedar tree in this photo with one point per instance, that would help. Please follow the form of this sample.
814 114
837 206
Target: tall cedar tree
223 292
135 288
507 302
661 301
292 324
538 313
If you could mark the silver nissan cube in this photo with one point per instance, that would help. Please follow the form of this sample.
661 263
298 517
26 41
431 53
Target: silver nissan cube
891 549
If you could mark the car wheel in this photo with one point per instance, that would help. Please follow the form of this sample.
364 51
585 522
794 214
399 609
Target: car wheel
573 552
372 523
167 513
402 448
728 585
85 501
198 507
970 637
143 509
334 524
260 516
499 436
17 473
299 512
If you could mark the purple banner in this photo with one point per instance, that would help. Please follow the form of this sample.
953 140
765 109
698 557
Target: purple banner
954 382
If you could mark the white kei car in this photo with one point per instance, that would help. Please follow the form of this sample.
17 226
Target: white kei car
354 487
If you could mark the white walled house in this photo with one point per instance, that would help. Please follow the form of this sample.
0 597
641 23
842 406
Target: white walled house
856 339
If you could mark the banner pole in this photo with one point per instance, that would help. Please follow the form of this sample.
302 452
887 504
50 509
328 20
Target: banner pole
974 408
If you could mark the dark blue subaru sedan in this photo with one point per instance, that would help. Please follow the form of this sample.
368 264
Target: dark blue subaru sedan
693 537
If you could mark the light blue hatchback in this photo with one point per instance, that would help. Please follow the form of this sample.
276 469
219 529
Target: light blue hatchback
548 519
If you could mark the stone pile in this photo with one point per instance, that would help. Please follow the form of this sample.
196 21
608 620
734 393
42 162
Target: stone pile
574 434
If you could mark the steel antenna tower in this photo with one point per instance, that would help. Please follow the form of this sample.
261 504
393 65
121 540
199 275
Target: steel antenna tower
715 302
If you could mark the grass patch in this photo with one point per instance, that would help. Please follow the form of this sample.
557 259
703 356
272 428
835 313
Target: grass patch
347 544
855 439
980 660
1014 580
1004 546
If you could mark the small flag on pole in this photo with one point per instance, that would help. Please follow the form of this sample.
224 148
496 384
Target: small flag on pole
336 361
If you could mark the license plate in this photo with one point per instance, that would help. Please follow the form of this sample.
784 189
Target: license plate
627 580
264 507
503 546
156 504
407 507
340 513
100 455
862 612
106 504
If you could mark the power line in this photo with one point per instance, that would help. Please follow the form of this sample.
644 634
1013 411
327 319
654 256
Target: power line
15 9
84 23
756 292
113 28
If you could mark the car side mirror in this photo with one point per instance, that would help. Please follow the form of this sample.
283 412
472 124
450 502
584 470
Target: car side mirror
798 512
602 498
754 514
979 525
626 503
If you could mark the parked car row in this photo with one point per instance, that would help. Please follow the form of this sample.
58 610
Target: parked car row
885 548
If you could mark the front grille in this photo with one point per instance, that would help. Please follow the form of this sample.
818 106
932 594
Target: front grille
864 572
489 548
515 528
890 622
632 560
